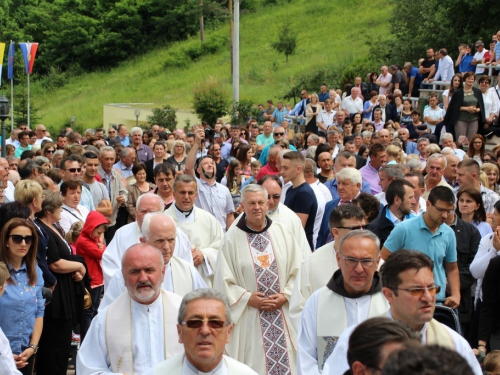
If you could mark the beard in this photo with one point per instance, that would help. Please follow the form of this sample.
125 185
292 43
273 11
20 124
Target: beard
144 294
207 175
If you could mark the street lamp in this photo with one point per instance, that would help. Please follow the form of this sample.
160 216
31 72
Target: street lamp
137 113
4 115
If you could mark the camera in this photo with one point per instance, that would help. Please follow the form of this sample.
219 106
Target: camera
209 133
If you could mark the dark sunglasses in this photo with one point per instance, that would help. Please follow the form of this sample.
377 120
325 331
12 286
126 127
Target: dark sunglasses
18 239
274 196
73 170
279 133
198 323
362 227
49 151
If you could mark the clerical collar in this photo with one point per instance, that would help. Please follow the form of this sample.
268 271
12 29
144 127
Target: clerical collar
242 224
185 213
194 370
336 285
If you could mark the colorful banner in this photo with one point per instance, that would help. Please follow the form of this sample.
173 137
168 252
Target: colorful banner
2 50
10 61
29 54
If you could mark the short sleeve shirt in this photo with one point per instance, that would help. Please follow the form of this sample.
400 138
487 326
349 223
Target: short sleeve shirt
441 247
215 199
263 140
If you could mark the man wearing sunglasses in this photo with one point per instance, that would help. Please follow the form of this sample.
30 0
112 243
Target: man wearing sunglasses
429 234
278 134
410 289
137 330
204 327
353 294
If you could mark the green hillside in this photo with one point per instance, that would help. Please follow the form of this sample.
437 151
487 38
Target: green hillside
331 33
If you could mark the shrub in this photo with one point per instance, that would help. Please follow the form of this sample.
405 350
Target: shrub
164 117
210 101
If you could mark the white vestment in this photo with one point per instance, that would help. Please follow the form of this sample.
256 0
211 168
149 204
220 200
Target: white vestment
325 316
178 365
129 235
265 262
337 362
204 232
320 198
180 278
112 345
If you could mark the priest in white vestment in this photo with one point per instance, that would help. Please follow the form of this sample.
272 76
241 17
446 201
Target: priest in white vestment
204 325
137 330
409 287
130 234
353 294
202 228
159 231
318 268
256 268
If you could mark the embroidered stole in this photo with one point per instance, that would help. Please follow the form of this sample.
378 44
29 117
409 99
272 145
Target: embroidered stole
332 320
272 323
118 331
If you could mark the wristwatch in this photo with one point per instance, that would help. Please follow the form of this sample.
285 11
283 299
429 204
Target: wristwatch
34 347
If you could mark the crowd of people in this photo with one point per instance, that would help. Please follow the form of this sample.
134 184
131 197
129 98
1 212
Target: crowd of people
330 238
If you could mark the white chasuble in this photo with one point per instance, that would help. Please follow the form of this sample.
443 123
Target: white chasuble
179 365
266 262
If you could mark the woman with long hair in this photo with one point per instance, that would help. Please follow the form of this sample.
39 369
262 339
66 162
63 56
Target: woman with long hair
245 156
477 149
312 111
233 180
456 83
48 151
470 208
22 305
405 118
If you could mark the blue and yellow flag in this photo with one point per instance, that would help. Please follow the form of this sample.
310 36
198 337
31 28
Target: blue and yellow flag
2 49
10 61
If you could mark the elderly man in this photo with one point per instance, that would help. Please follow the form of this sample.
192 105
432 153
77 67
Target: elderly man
181 277
409 146
270 167
203 230
450 172
144 152
388 112
369 172
256 269
344 159
388 174
122 136
40 134
137 330
117 191
300 197
264 139
13 139
435 167
353 294
468 176
318 267
446 140
204 317
409 287
384 80
127 161
353 103
278 134
349 186
212 196
130 234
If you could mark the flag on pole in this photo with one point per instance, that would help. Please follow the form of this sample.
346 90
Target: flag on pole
10 62
29 54
2 49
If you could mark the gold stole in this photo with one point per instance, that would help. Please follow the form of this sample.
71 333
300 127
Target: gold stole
437 334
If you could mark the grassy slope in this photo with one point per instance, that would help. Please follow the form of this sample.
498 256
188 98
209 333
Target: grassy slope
330 32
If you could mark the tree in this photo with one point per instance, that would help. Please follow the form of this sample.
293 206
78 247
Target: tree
242 110
287 41
165 117
210 102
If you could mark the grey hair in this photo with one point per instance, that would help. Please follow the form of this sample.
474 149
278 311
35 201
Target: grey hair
311 151
281 153
58 152
447 151
150 195
404 130
146 223
312 165
314 137
382 96
106 149
366 134
126 151
253 188
414 164
445 136
437 156
351 174
131 248
206 294
332 131
392 171
90 131
40 160
135 129
360 233
186 179
423 139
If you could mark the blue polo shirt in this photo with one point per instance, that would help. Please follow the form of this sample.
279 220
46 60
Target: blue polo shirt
441 247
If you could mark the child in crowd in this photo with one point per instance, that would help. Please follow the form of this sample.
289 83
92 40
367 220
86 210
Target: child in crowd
491 364
255 168
73 234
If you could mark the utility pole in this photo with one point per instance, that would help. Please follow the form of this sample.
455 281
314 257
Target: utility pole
202 25
236 51
231 32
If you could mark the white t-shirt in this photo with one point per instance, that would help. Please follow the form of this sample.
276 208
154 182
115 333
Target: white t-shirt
479 56
434 114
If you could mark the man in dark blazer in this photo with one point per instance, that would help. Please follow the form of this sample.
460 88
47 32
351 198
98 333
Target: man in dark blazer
388 111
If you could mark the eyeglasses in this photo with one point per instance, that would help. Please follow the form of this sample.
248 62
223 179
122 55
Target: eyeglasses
73 170
111 132
198 323
50 151
274 196
353 262
419 292
275 134
18 239
356 227
484 82
444 210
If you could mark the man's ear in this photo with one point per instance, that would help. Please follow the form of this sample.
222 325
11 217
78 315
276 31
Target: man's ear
389 295
142 240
